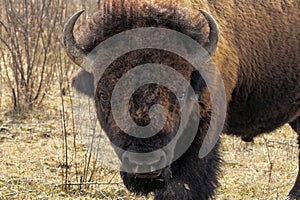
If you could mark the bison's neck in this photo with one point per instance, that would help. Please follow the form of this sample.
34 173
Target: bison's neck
258 46
257 55
262 38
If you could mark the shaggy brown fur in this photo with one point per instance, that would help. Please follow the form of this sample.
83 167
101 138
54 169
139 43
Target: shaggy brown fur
258 57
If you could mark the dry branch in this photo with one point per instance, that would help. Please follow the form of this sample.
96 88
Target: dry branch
90 183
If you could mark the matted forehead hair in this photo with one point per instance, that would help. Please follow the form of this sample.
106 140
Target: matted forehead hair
117 16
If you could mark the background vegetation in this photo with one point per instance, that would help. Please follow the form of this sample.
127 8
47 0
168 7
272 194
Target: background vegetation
41 154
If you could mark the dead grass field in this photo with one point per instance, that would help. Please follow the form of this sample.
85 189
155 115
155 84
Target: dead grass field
32 157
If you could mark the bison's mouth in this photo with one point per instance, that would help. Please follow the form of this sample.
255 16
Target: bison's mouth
150 175
144 183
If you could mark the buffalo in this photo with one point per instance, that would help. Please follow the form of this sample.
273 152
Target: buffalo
255 46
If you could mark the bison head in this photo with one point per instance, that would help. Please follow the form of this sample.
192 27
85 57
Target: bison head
152 170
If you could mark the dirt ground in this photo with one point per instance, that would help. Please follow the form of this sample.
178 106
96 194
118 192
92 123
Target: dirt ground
32 159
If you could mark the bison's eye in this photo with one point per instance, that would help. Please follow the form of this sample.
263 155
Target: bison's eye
104 98
196 97
182 96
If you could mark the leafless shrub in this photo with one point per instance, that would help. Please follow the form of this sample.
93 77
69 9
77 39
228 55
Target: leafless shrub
28 36
32 62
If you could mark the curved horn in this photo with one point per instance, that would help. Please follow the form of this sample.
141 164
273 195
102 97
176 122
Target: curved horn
74 51
214 34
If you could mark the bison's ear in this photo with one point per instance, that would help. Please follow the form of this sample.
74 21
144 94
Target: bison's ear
83 82
197 83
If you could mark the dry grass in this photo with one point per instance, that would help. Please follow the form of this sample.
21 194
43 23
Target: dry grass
264 169
32 158
31 161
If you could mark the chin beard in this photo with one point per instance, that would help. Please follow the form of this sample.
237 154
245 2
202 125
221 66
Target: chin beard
144 186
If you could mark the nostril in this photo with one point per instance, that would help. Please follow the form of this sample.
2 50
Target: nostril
158 161
163 160
126 158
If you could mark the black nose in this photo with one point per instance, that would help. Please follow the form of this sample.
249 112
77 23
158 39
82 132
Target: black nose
144 163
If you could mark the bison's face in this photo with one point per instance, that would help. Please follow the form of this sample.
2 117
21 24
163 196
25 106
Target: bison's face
154 168
151 172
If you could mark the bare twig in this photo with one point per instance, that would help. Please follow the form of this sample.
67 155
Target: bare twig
269 159
28 35
90 183
283 143
63 119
